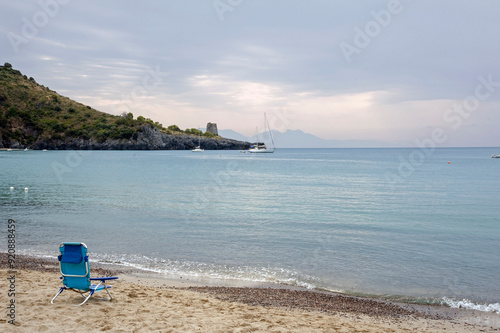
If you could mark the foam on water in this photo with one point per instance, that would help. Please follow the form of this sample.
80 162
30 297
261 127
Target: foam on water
468 304
204 271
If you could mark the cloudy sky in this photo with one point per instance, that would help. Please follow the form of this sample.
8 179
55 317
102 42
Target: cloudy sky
393 71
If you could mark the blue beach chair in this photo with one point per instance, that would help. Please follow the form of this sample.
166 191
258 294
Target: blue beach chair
74 266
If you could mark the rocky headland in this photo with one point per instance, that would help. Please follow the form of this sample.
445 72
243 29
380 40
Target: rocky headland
148 138
35 117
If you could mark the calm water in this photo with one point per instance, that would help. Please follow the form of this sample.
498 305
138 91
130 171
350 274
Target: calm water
390 222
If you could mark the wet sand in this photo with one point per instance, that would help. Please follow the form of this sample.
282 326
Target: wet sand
144 304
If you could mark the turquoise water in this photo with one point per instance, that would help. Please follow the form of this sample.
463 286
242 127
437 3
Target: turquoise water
397 223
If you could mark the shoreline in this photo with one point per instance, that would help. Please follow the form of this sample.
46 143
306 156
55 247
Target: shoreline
271 298
286 296
154 278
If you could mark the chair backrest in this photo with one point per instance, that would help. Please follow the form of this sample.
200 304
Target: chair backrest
74 265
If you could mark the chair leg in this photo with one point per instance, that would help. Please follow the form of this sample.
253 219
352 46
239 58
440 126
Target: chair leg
107 290
86 299
91 292
58 293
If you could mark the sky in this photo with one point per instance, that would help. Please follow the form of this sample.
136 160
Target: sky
407 73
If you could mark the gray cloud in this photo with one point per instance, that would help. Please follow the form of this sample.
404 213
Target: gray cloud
267 55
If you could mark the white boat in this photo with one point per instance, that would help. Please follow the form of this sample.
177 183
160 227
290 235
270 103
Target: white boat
260 147
495 156
198 148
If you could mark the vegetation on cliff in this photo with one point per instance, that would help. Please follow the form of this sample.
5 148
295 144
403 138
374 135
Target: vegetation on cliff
33 116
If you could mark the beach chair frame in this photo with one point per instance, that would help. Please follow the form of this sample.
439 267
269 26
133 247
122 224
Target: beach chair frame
75 272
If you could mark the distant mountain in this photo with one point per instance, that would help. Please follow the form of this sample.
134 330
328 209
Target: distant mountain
230 134
300 139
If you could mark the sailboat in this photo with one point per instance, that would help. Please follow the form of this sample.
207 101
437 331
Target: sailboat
198 148
260 147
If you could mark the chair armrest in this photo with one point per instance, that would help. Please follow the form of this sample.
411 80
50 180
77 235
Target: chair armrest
105 278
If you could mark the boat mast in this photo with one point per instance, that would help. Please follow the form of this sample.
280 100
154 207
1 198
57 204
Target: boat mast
269 129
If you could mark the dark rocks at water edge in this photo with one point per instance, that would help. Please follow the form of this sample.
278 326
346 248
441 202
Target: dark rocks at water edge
148 138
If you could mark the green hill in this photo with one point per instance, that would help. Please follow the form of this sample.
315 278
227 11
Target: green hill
34 116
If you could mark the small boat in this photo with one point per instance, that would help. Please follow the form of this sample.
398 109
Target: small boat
495 156
198 147
260 147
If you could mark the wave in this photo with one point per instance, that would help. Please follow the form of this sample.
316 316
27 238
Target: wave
206 272
470 305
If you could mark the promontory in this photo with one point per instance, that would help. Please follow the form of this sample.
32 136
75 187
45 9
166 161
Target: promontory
35 117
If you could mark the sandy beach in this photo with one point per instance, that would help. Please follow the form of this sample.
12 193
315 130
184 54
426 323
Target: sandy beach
156 305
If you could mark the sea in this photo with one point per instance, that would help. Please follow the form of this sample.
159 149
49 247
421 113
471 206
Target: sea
409 224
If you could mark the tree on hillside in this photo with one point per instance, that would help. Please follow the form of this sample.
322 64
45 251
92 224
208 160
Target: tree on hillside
193 131
174 128
128 116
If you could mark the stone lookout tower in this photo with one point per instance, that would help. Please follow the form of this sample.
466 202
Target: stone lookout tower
212 128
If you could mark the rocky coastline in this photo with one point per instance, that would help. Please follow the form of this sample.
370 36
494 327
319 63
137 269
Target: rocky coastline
148 138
